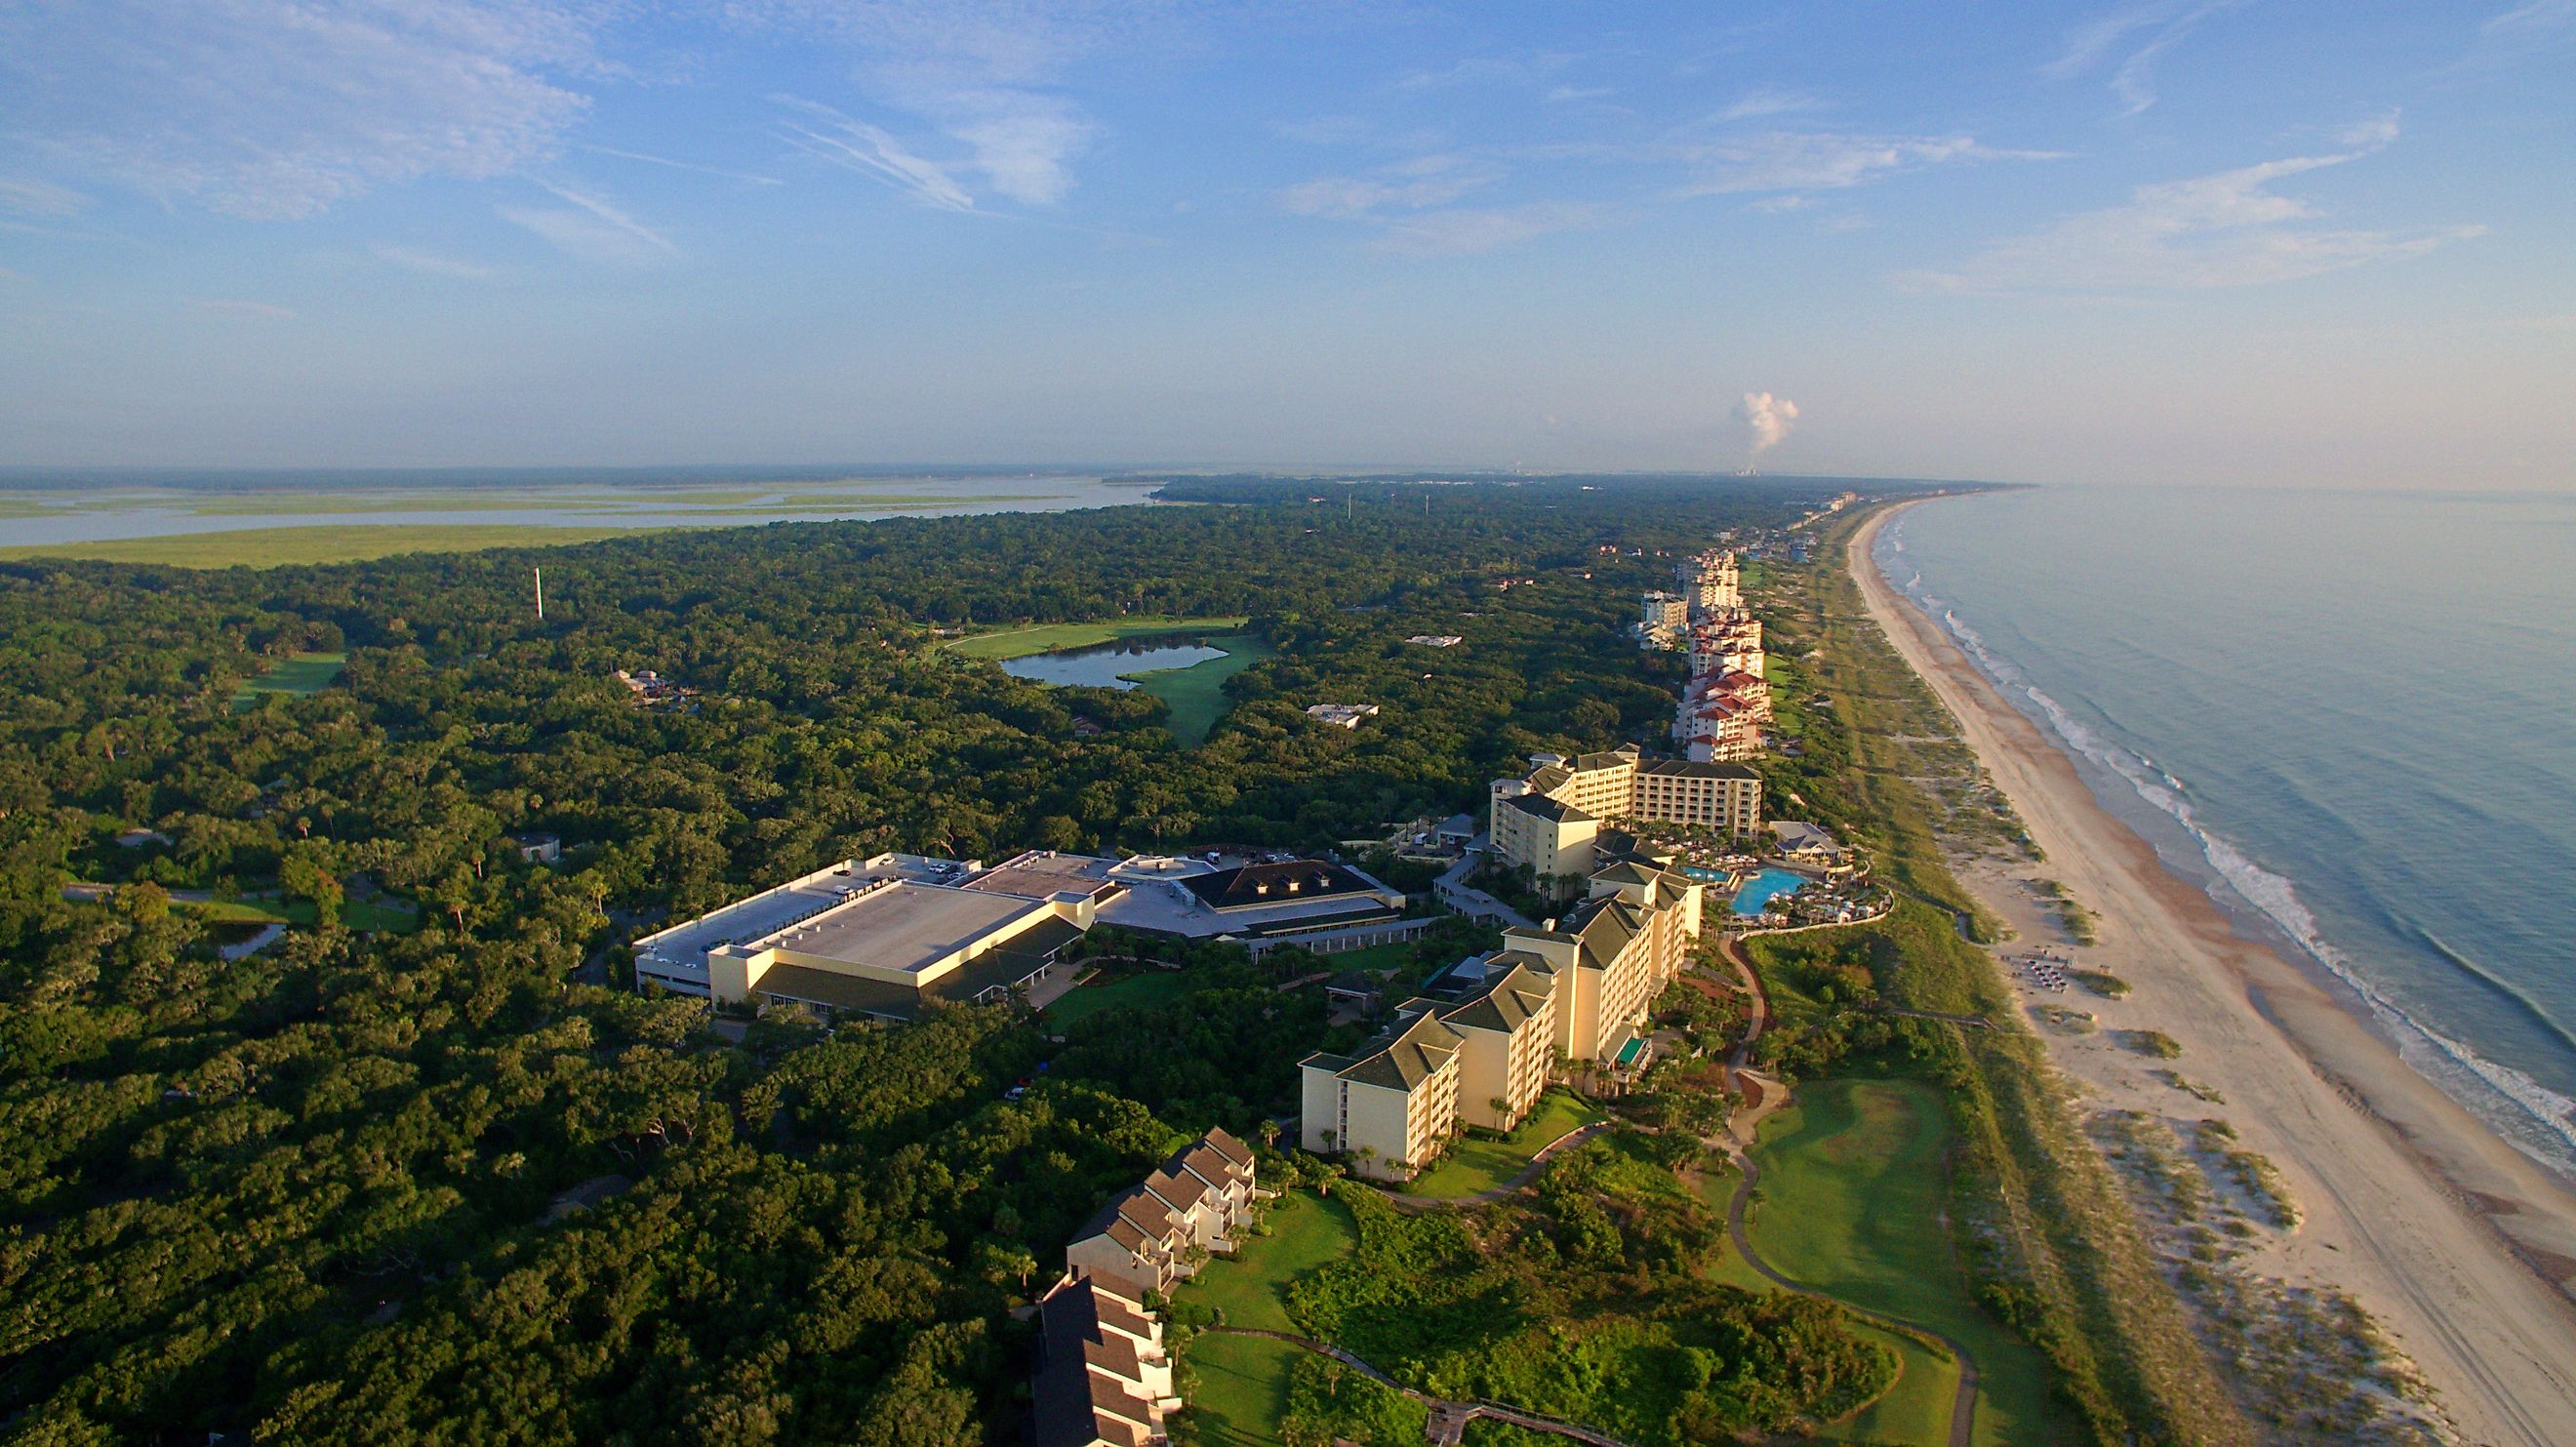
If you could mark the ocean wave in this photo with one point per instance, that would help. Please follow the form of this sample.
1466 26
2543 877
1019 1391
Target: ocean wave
2278 900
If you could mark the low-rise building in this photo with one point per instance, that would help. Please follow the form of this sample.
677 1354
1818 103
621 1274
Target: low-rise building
1149 1233
1103 1377
887 937
1261 902
1437 640
1341 715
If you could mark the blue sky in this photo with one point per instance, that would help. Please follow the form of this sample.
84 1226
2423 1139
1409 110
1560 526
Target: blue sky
2253 242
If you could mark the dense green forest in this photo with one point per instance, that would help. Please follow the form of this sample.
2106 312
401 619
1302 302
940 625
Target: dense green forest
319 1194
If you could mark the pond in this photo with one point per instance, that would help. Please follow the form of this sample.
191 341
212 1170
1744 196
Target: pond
1109 665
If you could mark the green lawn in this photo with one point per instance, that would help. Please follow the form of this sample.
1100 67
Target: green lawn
1243 1380
1242 1389
1306 1231
344 543
1916 1410
1196 694
1474 1165
1051 637
299 675
1851 1205
1148 987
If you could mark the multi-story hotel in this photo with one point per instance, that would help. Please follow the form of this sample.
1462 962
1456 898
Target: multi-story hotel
1550 821
1663 620
1711 581
1582 984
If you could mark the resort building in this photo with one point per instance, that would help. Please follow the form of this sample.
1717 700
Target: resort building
1147 1234
1103 1378
1477 1047
1262 903
1392 1107
885 938
1663 619
1341 715
1437 640
1711 581
1550 821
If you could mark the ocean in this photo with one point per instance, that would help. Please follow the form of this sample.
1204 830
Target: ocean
2350 716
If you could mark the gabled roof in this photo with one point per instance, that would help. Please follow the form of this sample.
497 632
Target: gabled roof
1703 771
1507 1002
1224 1143
1257 884
1406 1058
1177 1189
1209 1164
1553 810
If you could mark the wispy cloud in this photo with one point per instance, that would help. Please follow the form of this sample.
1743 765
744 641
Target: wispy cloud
24 196
855 145
1412 186
1489 70
278 108
591 229
2231 229
234 307
2538 15
1801 161
429 263
1770 101
2132 42
1468 230
747 177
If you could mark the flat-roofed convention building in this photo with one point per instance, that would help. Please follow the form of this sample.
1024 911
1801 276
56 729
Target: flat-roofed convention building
885 938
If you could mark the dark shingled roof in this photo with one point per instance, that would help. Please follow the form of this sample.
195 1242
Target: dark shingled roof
1507 1001
1554 810
1067 1398
1261 884
1228 1146
1408 1057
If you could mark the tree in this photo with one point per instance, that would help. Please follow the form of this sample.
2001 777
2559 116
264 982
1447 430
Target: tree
306 872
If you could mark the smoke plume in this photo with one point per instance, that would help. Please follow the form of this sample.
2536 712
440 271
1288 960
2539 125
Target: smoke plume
1768 418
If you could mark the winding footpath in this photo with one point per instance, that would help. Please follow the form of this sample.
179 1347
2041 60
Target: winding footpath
1449 1416
1767 1097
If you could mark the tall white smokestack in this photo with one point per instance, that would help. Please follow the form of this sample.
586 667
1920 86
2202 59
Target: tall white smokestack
1768 419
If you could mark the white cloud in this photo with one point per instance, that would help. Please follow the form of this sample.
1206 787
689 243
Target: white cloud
429 263
857 146
746 177
1465 231
2538 15
28 197
2230 229
1488 70
2139 37
1794 161
278 108
1770 101
590 229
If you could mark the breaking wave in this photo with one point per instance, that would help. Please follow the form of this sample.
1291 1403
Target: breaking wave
2551 1115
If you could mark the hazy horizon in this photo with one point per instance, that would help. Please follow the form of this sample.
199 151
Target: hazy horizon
2207 240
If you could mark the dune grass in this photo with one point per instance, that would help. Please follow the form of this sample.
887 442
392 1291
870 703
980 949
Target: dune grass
1053 637
1241 1394
1851 1205
339 543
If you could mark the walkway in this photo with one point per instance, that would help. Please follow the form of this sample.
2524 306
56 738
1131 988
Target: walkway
1449 1418
1453 890
1520 1178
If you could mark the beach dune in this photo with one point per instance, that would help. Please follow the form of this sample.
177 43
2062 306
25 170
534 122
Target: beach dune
2461 1246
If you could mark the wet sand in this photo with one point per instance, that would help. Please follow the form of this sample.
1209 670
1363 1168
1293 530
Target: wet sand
2461 1246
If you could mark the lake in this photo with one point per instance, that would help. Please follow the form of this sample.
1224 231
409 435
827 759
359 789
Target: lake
1104 665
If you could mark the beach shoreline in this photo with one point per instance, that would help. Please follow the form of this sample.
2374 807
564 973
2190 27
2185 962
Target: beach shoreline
2462 1247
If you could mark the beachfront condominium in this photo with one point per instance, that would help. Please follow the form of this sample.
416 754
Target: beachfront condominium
1550 821
1152 1232
1711 581
1608 957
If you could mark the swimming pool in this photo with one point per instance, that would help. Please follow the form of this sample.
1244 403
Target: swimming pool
1758 892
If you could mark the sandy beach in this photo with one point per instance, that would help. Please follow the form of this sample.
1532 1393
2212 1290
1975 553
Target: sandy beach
2461 1246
